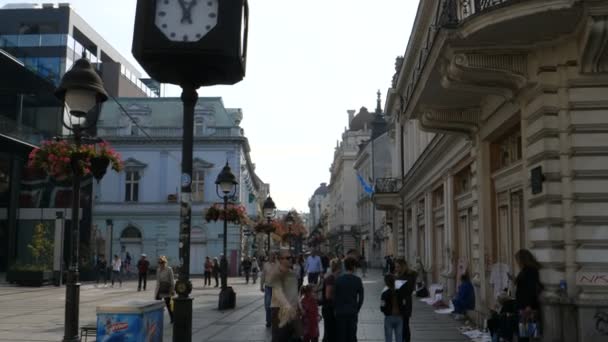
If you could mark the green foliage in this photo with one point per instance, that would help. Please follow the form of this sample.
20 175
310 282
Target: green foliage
41 247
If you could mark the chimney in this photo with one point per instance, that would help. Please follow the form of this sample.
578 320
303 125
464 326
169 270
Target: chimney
351 115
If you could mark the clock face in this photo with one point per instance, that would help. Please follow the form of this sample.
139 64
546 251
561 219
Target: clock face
186 20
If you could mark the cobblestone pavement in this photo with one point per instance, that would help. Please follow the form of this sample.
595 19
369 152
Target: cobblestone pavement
36 314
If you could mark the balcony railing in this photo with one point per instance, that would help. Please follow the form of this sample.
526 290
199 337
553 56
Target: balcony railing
467 8
387 185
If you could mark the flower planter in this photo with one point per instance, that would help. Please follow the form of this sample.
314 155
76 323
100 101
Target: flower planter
99 166
29 277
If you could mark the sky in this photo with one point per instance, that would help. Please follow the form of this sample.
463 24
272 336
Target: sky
308 63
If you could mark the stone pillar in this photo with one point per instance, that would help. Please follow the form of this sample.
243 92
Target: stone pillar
449 271
427 258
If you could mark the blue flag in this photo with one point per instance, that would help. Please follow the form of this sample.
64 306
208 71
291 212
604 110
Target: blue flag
366 187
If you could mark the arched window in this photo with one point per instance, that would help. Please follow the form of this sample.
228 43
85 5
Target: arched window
130 233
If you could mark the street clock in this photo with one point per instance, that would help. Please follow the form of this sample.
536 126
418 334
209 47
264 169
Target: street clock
192 42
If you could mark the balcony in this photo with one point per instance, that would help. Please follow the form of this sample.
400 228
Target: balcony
467 8
386 193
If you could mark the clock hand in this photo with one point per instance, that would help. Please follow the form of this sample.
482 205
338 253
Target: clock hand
186 10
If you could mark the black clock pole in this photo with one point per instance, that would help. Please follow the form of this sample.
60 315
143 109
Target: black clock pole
182 323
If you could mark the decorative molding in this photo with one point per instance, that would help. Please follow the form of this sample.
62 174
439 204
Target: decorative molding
594 53
132 163
451 121
500 73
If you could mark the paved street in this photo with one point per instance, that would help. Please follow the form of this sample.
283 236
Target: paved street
36 314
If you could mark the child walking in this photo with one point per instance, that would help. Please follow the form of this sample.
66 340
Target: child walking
310 314
392 307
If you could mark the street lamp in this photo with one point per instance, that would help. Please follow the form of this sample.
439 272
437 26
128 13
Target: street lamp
225 186
289 220
80 90
269 212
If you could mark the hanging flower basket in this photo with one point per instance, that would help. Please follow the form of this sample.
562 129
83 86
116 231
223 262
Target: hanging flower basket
266 228
59 159
234 213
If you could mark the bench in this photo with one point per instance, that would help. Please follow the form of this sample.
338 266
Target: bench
87 330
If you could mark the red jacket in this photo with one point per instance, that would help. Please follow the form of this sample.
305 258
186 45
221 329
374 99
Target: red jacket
310 316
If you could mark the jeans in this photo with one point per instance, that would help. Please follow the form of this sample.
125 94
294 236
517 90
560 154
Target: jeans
143 278
168 304
393 324
116 275
267 298
329 323
346 327
406 329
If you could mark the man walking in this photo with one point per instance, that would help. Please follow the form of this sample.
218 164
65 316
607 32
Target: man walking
313 267
101 266
142 271
116 267
348 299
246 268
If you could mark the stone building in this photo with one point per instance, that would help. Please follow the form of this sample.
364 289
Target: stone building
344 231
137 210
499 119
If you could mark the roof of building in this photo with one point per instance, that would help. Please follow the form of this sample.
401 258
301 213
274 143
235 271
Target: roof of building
361 120
322 190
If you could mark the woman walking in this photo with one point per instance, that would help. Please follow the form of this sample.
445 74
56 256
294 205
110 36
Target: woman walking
527 291
392 308
329 318
164 284
255 268
208 270
405 290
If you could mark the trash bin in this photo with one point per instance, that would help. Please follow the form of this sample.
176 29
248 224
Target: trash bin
130 321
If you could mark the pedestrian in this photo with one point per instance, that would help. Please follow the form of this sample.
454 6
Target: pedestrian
392 307
327 301
325 263
284 303
313 267
302 266
246 265
116 268
266 286
297 269
101 268
527 292
127 265
407 280
142 272
215 271
255 269
465 297
363 265
208 270
165 286
310 314
348 299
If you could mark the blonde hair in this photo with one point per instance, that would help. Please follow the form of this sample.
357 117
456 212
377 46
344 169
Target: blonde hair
163 259
335 264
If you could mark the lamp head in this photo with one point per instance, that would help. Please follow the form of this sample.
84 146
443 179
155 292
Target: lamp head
226 180
289 219
269 207
81 88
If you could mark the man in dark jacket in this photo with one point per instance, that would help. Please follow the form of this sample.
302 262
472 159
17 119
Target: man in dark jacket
348 299
142 271
406 280
246 265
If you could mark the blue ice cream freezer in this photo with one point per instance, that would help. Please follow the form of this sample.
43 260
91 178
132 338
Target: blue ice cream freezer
130 321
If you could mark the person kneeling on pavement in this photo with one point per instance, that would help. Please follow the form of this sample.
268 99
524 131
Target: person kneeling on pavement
465 297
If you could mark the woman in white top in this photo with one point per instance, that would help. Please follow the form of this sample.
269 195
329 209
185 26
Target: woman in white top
165 284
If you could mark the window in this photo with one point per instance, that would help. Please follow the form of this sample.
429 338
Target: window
507 150
132 184
198 127
198 186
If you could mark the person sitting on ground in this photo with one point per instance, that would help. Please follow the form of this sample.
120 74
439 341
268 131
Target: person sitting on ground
465 296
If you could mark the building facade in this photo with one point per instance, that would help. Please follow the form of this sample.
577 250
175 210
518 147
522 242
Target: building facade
344 232
501 144
137 210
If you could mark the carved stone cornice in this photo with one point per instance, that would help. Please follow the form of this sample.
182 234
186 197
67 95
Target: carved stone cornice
594 51
501 73
451 120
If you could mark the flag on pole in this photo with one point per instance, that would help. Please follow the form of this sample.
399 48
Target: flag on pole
366 187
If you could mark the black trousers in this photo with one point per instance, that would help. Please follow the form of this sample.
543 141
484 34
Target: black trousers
284 334
247 276
207 278
217 283
143 277
329 323
346 327
168 304
406 329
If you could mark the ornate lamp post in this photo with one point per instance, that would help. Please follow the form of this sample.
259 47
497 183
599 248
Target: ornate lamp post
80 89
225 186
269 212
289 220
